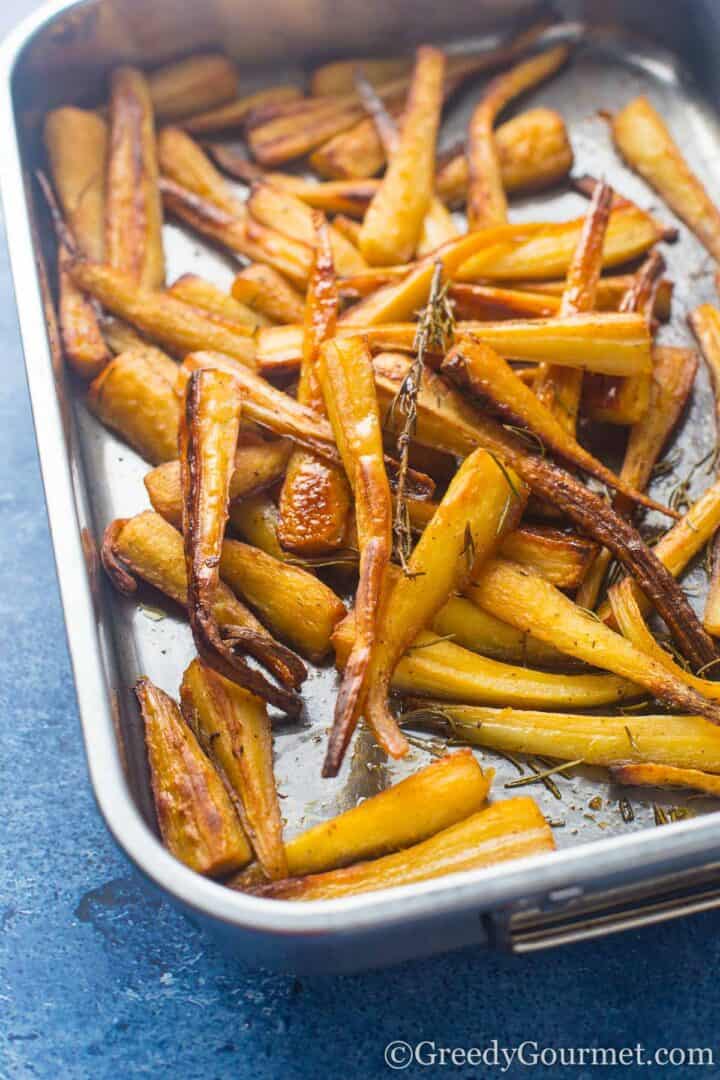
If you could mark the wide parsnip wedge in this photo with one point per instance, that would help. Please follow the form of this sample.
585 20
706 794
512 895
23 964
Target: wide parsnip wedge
233 728
197 820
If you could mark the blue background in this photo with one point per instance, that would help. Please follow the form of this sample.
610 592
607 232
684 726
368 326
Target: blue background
100 979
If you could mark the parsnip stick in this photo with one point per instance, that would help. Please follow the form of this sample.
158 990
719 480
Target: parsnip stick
193 85
235 113
315 497
76 141
186 163
202 294
392 226
233 729
511 829
133 210
486 202
666 776
705 324
644 141
611 290
346 377
197 821
267 291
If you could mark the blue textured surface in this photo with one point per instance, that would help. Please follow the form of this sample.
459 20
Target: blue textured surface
99 979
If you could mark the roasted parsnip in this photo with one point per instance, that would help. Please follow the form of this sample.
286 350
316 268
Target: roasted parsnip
315 497
432 799
670 776
338 77
186 163
233 729
486 201
133 208
265 290
644 141
255 519
202 294
235 113
192 85
197 820
134 396
345 374
208 437
76 142
705 324
511 829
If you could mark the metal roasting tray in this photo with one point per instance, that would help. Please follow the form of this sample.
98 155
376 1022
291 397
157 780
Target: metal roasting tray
607 874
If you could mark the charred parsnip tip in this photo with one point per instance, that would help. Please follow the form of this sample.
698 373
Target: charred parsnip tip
489 378
208 437
667 776
233 729
439 668
197 821
184 161
542 251
705 324
134 396
239 234
192 85
165 319
234 114
315 498
556 387
688 742
512 829
76 141
133 210
346 378
484 500
266 291
432 799
281 210
531 604
486 202
202 294
644 141
258 465
392 226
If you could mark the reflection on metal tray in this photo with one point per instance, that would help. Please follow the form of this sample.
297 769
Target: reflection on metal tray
89 473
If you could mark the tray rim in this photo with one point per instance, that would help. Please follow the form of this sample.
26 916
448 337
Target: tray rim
591 866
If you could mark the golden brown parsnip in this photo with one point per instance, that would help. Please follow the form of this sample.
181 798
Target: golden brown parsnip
511 829
267 291
345 374
134 396
208 436
197 821
432 799
338 77
315 497
611 290
255 519
83 343
184 161
666 776
76 141
491 302
162 317
195 84
392 226
233 729
688 742
484 500
486 202
705 324
133 207
199 293
235 113
645 142
465 624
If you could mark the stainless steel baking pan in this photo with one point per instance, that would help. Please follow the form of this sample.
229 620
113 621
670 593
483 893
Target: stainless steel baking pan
607 873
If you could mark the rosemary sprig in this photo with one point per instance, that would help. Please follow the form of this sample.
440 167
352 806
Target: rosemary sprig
626 810
435 331
632 740
544 774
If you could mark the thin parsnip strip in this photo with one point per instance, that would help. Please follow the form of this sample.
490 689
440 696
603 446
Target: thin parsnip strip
281 210
235 113
511 829
432 799
233 729
530 603
673 377
133 207
197 821
484 500
689 742
610 292
266 291
208 436
557 388
705 324
394 219
193 85
345 374
258 465
167 320
645 142
486 201
134 396
479 369
199 293
239 234
315 497
666 776
489 302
